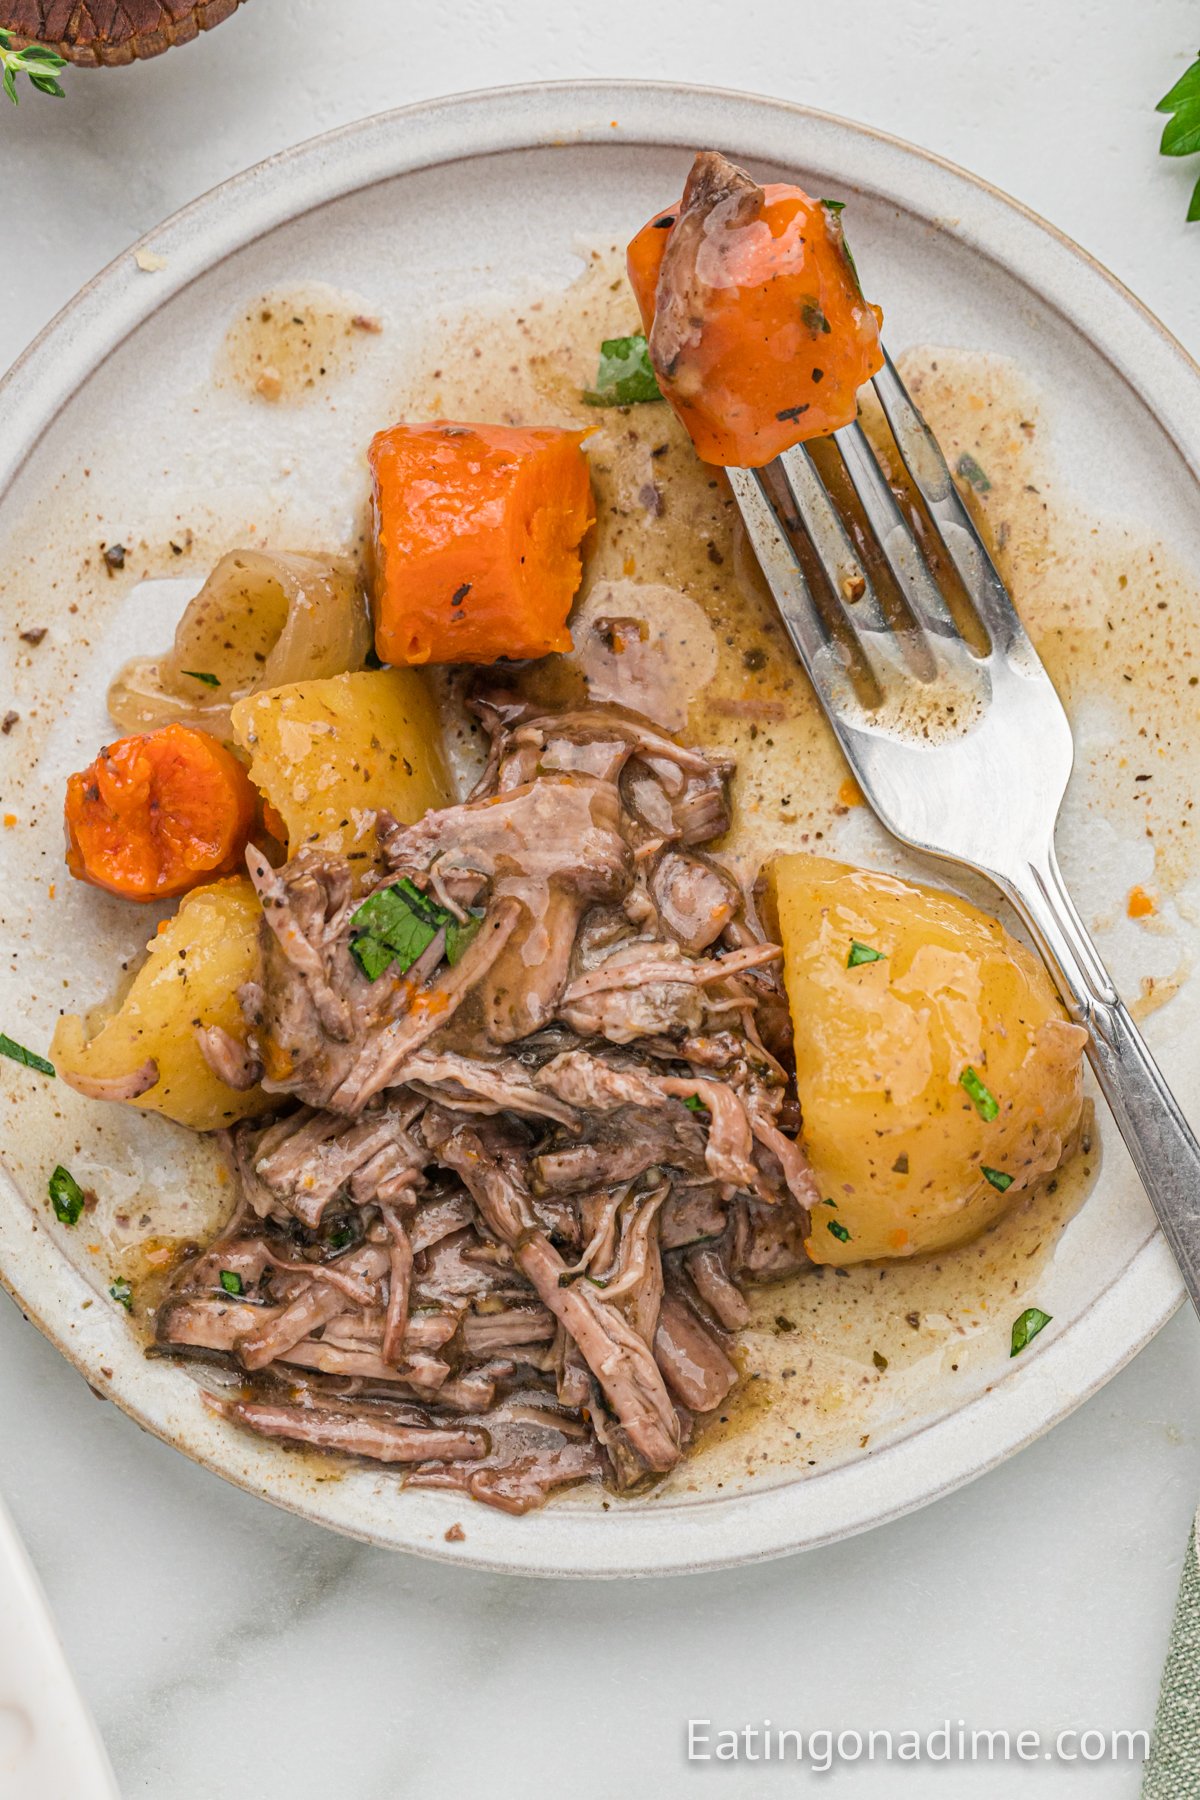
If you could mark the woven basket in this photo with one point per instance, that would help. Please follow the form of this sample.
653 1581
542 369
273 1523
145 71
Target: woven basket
107 33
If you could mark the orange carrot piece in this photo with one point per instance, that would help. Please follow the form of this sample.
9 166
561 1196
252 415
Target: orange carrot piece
759 333
477 535
157 813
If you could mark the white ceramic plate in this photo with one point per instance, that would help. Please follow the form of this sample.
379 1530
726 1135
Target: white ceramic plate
111 429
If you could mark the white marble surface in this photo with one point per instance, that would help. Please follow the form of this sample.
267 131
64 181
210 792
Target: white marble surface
227 1648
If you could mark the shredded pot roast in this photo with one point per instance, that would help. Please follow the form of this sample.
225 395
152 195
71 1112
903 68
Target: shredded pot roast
535 1133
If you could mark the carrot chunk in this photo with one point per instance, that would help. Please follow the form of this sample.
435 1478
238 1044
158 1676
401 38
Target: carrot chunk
758 330
477 535
157 813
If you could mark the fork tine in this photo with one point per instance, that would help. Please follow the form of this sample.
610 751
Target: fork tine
931 476
894 535
853 588
806 626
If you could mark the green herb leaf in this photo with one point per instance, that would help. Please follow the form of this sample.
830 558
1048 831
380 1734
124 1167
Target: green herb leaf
999 1180
863 953
985 1102
1026 1328
834 206
970 471
231 1281
66 1196
30 1058
460 935
1186 88
626 375
204 676
695 1104
1181 133
395 925
122 1293
37 61
839 1230
342 1236
832 1203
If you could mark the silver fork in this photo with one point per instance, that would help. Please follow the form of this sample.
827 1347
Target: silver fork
963 750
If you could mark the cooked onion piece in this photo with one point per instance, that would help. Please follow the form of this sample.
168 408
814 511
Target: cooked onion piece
263 618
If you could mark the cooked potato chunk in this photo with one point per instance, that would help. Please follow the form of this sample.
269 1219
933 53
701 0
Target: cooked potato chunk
191 975
937 1072
329 754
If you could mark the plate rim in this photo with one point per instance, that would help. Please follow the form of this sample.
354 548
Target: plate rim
635 1539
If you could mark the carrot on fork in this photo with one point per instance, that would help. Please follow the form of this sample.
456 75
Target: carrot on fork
758 330
477 535
157 813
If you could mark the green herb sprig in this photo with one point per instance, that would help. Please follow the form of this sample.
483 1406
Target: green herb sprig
19 1054
863 953
1181 133
1026 1328
626 375
36 61
981 1096
66 1196
397 924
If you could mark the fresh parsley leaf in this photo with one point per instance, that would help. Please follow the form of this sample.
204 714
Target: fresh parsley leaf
231 1281
396 925
626 375
30 1058
863 953
839 1230
1026 1328
122 1293
834 206
970 471
695 1104
203 675
340 1237
1181 133
832 1203
66 1196
37 61
999 1180
982 1097
459 935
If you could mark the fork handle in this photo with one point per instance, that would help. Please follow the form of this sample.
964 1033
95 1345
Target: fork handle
1159 1139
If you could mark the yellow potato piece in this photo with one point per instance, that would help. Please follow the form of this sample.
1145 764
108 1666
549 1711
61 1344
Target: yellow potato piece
217 927
895 1140
329 754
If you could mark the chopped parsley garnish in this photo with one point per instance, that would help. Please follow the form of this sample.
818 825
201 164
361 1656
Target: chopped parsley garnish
695 1104
204 675
30 1058
340 1237
832 1203
839 1230
863 953
836 208
626 375
1181 133
982 1097
813 317
970 471
66 1196
1026 1328
122 1293
999 1180
397 924
231 1281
